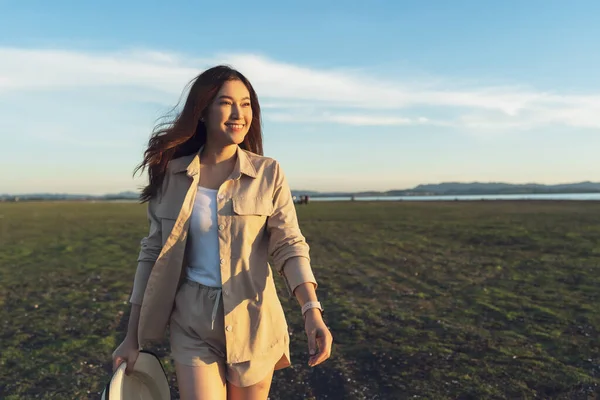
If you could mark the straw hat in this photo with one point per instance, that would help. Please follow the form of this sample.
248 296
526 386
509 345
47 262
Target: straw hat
147 381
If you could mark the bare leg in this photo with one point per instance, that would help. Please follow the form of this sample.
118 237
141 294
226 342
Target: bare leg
199 383
258 391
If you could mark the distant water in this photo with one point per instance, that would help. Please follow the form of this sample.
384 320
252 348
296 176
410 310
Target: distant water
557 196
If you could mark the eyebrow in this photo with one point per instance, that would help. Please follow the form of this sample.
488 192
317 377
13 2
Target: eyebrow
231 98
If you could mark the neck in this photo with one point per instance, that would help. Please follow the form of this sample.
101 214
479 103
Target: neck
217 155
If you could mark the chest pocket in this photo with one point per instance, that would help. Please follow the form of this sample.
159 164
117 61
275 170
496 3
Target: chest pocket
252 206
249 218
167 221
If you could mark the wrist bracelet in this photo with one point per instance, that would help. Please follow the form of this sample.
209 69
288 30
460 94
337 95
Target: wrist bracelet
311 304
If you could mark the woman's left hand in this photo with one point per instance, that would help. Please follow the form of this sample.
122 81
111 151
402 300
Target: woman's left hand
319 337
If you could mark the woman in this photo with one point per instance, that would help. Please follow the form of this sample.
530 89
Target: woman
218 212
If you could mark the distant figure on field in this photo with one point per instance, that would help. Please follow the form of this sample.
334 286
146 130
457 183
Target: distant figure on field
218 211
303 200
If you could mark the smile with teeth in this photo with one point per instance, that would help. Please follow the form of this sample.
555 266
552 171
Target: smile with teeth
235 126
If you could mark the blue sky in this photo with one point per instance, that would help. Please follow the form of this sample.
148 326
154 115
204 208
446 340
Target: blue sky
356 95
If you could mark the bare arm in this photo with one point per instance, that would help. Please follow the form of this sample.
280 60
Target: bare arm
132 327
319 337
304 293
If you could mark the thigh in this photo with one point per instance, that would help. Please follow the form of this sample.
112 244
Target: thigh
258 391
201 382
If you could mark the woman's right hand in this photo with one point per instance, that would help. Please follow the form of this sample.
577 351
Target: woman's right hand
127 351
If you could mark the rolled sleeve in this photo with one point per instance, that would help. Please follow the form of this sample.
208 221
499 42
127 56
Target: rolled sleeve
150 248
287 246
296 271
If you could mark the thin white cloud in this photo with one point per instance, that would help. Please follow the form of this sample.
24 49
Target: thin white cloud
352 119
301 93
58 69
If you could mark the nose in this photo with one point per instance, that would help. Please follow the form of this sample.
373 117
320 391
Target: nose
235 111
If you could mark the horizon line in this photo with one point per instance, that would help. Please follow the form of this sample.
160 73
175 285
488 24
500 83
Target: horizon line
329 192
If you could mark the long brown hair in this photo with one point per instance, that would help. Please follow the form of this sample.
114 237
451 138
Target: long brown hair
186 133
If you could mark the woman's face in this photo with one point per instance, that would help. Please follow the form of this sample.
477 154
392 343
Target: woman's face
230 114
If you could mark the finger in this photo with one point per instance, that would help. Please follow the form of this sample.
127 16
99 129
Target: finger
312 343
314 359
116 362
131 362
324 345
320 356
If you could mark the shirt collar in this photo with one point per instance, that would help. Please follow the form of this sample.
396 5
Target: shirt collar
191 164
243 165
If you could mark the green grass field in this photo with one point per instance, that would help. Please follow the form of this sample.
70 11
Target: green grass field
481 300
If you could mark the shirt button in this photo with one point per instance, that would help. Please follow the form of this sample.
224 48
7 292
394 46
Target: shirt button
221 227
221 196
228 328
226 292
222 261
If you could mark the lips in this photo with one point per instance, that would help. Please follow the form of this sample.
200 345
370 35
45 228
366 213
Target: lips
235 126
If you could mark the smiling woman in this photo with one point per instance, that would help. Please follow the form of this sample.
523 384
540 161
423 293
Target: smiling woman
188 131
218 212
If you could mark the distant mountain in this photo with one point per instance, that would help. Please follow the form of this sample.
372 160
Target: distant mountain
476 188
65 196
452 188
123 195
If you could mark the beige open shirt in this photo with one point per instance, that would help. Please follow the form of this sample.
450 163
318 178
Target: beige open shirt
257 223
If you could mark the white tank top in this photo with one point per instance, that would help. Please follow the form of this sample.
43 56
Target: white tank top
203 257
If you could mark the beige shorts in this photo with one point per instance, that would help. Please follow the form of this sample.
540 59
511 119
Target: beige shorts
197 335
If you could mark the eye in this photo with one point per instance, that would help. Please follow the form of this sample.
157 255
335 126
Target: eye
247 104
225 103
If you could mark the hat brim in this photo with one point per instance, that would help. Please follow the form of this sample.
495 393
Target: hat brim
147 381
